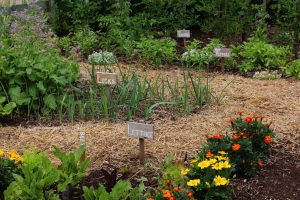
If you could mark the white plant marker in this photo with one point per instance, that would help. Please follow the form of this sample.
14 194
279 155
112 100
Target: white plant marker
141 131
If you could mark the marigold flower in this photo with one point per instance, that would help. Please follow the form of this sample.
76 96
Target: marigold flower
218 180
209 154
194 161
13 155
190 195
149 198
167 193
185 171
168 182
248 119
204 164
217 166
217 136
177 189
243 135
260 164
236 147
235 136
222 152
268 139
193 182
212 161
1 152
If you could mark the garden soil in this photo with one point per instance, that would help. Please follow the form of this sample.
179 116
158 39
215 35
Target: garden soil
108 145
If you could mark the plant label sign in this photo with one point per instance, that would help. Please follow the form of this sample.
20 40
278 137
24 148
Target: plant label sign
222 52
82 138
140 130
107 78
183 33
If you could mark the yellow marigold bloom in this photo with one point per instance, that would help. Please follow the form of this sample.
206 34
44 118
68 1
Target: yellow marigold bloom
218 180
226 164
194 161
218 166
222 152
193 182
1 152
212 161
207 184
204 164
184 171
13 155
221 158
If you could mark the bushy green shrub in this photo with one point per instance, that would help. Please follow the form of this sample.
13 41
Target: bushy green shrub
86 39
196 56
293 69
156 51
259 55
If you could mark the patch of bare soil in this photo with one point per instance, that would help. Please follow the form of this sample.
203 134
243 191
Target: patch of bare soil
279 180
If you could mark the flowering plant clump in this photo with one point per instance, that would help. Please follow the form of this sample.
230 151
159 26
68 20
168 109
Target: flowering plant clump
102 58
169 192
247 145
9 164
209 175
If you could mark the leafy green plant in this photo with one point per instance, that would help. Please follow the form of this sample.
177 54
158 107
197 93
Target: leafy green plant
39 177
293 69
31 71
156 51
7 108
122 190
259 55
73 169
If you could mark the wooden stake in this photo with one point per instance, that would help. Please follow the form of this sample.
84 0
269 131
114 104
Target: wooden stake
142 150
222 65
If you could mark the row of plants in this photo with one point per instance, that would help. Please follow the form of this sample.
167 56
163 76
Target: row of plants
126 28
35 79
238 153
121 21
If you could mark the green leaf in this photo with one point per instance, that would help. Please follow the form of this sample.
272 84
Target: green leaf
20 98
50 101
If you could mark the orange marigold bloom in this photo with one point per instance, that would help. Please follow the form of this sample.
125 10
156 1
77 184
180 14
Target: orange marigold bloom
190 195
209 154
235 136
167 193
243 135
177 189
268 139
168 182
248 119
149 198
260 164
236 147
218 136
